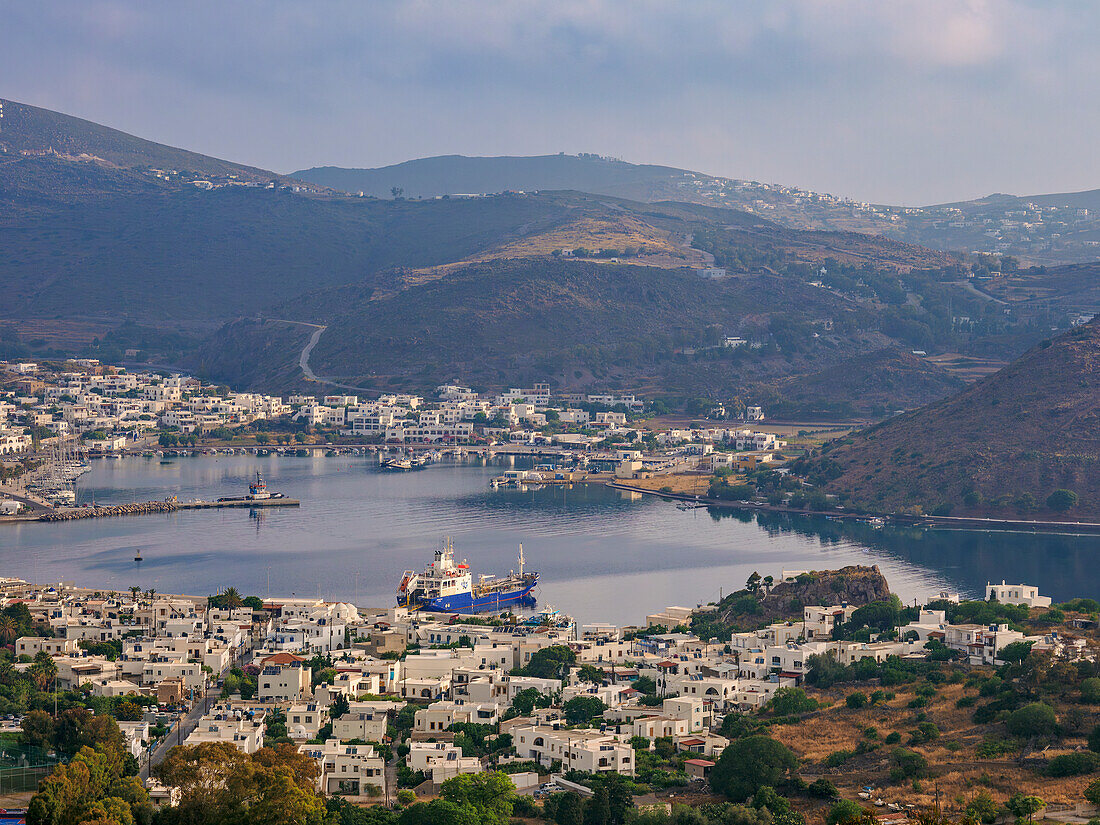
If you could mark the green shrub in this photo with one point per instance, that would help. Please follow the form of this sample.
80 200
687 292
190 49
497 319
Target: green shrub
858 699
836 759
1073 764
1035 719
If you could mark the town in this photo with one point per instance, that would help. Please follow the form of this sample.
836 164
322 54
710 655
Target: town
390 705
54 416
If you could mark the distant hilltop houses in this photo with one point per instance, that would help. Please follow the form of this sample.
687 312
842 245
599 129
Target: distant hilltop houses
109 409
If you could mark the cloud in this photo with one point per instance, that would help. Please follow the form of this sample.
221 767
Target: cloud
910 100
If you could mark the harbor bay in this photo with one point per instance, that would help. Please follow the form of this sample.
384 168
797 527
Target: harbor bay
603 555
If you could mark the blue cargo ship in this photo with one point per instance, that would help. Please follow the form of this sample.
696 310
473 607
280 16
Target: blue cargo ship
449 587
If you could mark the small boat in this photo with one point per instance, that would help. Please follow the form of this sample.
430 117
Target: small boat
397 464
137 557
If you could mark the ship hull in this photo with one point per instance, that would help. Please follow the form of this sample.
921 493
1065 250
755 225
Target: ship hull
469 603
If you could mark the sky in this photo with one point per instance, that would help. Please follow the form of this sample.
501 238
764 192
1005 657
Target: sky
892 101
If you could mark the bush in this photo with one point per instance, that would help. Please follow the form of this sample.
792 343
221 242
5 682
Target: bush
1073 764
1062 500
856 700
837 758
907 764
843 812
1035 719
892 738
822 789
406 796
1090 690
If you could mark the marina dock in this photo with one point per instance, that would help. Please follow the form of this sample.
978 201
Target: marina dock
262 502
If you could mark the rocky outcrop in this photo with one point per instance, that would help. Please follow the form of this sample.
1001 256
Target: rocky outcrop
855 585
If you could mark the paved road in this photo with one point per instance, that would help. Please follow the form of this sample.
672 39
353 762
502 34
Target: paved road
973 290
187 724
303 360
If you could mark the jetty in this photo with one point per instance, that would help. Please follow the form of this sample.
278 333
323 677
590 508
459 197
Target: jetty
143 508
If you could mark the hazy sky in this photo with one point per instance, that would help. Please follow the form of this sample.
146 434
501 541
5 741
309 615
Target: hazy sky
902 101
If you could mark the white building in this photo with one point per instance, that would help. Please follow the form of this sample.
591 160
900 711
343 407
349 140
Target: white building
354 771
1023 594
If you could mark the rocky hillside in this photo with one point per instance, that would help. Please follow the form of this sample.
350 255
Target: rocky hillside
999 448
758 605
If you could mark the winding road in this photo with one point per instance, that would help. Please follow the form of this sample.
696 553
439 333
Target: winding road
307 350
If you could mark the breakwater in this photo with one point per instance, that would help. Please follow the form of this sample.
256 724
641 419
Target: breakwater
137 509
146 507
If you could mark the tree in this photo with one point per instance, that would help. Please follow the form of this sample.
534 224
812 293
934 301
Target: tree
1035 719
856 700
844 812
438 812
982 808
339 706
489 794
750 763
1090 690
582 708
597 811
570 809
1015 653
591 673
220 784
550 662
528 699
1092 792
644 684
1024 806
38 729
93 787
231 598
8 629
1062 500
43 671
791 701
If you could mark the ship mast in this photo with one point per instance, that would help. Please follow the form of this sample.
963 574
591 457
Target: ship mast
521 562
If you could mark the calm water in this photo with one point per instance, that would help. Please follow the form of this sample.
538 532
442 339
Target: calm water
602 556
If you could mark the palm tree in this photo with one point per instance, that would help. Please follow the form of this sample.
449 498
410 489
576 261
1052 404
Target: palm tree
231 598
135 591
43 671
8 629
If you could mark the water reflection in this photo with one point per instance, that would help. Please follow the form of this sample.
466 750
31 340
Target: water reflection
602 556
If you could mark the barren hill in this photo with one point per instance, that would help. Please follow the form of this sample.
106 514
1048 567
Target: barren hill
1001 446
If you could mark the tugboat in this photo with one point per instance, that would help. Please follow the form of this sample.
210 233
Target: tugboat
257 491
447 587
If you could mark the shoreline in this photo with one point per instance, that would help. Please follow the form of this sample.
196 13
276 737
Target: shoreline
959 523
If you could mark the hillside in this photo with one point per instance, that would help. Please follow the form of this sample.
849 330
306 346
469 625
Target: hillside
29 131
867 384
998 448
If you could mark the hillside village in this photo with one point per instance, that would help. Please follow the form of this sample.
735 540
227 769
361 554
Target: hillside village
385 701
